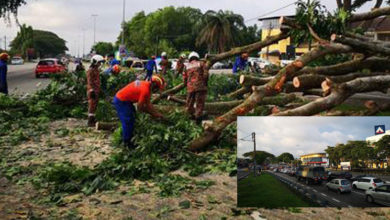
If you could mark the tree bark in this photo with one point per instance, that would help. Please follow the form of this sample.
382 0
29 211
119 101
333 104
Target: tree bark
367 39
362 46
374 63
272 87
172 91
339 94
239 92
370 15
248 81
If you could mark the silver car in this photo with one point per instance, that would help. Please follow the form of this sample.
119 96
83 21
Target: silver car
339 185
380 194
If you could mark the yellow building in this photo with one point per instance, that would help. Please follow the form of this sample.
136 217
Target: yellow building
284 49
315 159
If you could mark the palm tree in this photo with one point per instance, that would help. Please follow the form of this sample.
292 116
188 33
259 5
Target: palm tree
220 30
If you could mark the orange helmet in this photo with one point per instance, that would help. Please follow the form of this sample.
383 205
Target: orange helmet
116 69
4 56
159 80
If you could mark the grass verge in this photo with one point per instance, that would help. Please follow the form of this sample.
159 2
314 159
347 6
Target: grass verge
267 192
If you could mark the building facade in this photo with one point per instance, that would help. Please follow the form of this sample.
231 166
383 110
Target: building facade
284 49
315 159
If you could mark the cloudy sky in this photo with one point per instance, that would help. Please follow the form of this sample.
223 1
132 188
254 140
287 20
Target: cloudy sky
303 135
68 18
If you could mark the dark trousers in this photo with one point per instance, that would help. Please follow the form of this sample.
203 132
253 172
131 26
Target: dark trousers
126 114
195 103
149 74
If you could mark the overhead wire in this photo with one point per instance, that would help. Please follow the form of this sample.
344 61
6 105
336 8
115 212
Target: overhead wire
268 13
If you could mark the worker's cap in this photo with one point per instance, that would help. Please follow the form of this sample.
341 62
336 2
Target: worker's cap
4 56
159 80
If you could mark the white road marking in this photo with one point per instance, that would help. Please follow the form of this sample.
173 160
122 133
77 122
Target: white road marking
323 194
358 193
335 200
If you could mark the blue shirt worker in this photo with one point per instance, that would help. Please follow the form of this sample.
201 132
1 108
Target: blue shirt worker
241 63
149 67
3 73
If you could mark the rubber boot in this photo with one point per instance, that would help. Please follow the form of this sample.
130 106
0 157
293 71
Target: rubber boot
91 121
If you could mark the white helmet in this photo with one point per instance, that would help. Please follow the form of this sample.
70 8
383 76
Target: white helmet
193 54
164 54
96 59
183 56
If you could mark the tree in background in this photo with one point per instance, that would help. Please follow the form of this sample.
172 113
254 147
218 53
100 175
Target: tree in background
103 48
261 156
169 29
349 5
285 157
220 30
382 148
45 43
23 41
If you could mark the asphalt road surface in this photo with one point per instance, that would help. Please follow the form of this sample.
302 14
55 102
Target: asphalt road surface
21 79
329 198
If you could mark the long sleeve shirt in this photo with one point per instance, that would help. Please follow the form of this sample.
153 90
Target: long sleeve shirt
3 77
239 65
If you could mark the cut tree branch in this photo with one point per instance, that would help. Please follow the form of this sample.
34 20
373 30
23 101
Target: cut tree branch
370 15
339 94
168 92
361 46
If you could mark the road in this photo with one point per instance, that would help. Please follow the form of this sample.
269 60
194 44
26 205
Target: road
321 194
21 79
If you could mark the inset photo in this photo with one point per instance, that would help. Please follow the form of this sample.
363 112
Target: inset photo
313 162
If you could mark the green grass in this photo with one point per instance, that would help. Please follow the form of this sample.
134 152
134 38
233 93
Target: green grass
267 192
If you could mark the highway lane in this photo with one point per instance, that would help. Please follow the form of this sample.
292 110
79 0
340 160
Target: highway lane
330 198
21 79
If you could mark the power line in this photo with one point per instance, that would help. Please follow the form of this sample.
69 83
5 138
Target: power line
268 13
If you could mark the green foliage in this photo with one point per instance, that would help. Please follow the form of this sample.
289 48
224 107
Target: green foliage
220 85
323 22
261 156
103 48
220 30
45 43
285 157
355 151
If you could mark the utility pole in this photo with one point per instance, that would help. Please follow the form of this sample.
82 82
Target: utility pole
94 28
254 153
5 42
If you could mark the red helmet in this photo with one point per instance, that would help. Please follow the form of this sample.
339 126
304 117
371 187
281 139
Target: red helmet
159 80
116 69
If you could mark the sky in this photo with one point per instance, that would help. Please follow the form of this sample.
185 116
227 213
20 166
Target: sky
68 18
303 135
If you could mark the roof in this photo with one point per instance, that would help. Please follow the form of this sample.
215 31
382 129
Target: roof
377 24
275 17
306 155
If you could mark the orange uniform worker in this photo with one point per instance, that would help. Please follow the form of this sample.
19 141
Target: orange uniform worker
93 87
138 92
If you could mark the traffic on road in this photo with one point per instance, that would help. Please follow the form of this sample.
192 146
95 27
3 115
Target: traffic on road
335 189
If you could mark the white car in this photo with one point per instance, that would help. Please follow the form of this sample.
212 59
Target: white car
339 185
17 61
366 183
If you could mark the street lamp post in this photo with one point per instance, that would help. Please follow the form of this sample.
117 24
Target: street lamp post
94 28
83 42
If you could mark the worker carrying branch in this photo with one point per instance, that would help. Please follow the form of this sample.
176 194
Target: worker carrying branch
138 92
195 78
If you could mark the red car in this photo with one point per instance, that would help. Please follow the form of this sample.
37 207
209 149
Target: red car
49 66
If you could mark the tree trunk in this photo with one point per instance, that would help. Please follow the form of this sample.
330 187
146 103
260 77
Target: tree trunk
339 94
370 15
172 91
248 81
362 46
239 92
272 87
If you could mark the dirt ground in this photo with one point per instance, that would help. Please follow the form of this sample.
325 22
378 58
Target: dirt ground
87 147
